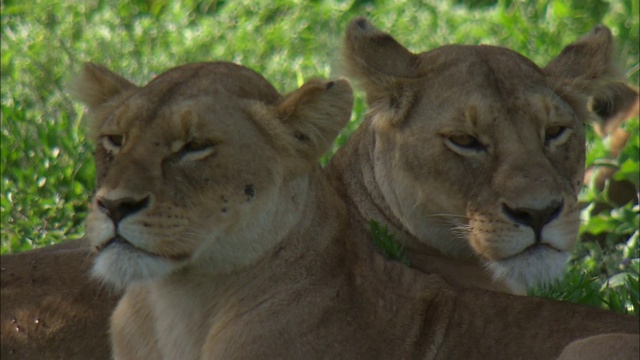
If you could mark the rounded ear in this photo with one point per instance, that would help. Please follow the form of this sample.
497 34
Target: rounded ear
587 59
383 67
315 114
95 84
375 56
589 67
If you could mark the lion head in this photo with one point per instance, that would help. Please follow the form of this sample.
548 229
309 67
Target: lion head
206 164
478 152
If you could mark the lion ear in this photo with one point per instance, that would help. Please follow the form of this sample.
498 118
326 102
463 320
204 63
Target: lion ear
315 114
589 67
95 84
383 67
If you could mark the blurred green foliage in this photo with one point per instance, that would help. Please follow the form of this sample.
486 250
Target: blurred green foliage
46 165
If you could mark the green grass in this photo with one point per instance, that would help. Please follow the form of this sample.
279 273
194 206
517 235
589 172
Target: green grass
47 169
387 243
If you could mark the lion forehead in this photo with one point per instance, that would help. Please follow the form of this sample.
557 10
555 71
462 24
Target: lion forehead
202 78
470 71
484 84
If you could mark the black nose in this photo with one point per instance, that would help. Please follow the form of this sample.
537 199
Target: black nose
534 218
118 209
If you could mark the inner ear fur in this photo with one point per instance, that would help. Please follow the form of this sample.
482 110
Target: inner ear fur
95 85
315 114
383 67
589 67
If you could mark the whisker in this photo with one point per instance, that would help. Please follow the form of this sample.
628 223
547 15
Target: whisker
462 231
448 215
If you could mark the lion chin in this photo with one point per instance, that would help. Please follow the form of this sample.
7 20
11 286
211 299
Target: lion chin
120 264
538 265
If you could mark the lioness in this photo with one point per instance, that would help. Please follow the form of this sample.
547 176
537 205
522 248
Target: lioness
212 213
473 155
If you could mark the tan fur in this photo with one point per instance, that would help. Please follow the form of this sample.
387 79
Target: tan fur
74 319
51 308
615 346
473 155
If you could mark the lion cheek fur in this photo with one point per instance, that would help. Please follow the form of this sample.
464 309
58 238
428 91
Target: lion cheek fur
156 244
229 244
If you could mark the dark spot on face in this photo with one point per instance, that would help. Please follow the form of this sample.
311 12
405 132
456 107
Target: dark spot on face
224 199
250 191
224 210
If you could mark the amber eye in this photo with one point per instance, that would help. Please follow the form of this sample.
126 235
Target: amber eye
553 132
466 142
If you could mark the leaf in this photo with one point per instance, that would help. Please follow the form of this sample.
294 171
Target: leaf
386 242
628 171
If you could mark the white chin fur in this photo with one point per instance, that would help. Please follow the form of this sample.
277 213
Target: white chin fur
121 267
530 269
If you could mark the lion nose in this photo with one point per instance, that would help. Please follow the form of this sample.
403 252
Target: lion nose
534 218
118 209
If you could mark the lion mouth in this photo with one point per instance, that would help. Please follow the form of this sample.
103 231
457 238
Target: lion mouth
533 250
116 240
121 241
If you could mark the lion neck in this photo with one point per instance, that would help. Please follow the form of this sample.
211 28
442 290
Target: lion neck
352 173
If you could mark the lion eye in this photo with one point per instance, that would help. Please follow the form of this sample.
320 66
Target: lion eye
192 146
113 142
466 142
196 150
553 132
